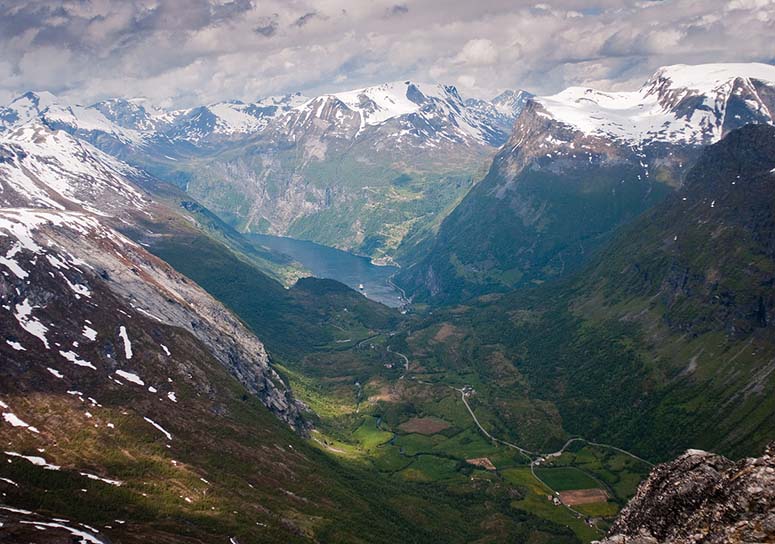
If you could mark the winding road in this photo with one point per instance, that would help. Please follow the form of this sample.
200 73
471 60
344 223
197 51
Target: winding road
527 453
404 357
534 457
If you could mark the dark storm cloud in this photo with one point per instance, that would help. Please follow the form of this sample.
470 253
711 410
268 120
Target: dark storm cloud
267 27
182 52
306 18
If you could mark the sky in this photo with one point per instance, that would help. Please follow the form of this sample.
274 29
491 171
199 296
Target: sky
180 53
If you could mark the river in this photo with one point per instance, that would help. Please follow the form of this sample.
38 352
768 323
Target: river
327 262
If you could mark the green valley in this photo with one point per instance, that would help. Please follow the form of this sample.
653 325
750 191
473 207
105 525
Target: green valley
537 367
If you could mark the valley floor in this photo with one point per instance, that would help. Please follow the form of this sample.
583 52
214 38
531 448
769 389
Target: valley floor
409 424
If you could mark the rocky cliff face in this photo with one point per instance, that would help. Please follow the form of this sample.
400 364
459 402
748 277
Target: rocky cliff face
702 498
61 201
55 260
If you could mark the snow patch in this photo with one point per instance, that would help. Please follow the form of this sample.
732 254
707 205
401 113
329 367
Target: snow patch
130 377
158 427
106 480
127 344
9 262
34 459
89 333
75 359
83 536
29 323
11 418
16 345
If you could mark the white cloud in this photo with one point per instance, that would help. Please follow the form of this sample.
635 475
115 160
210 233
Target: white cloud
198 51
478 51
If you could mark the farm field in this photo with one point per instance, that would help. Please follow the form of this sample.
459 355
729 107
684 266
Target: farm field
418 430
414 427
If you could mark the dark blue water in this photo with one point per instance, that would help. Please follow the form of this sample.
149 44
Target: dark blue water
327 262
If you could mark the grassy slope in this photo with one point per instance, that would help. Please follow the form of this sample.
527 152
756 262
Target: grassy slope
516 232
365 201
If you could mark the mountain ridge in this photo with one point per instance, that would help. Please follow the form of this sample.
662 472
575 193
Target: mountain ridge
519 225
364 170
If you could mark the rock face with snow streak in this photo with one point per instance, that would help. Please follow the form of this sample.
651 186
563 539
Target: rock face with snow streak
41 167
502 111
61 198
82 255
702 497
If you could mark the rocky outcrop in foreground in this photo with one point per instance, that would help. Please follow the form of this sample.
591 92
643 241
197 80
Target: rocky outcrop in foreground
702 498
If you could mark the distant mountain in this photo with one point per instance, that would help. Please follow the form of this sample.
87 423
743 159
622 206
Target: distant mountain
372 170
502 111
218 123
679 104
578 165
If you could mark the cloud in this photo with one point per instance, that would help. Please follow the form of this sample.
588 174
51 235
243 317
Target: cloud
187 52
479 51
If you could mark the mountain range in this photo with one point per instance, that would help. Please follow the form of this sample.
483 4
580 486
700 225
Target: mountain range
367 170
577 165
598 300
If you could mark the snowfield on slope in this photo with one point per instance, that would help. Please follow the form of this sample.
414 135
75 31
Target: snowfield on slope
647 114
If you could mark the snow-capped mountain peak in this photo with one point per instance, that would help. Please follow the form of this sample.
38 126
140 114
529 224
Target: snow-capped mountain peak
26 107
433 113
382 102
34 101
511 102
231 119
41 167
704 78
679 104
128 113
56 113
